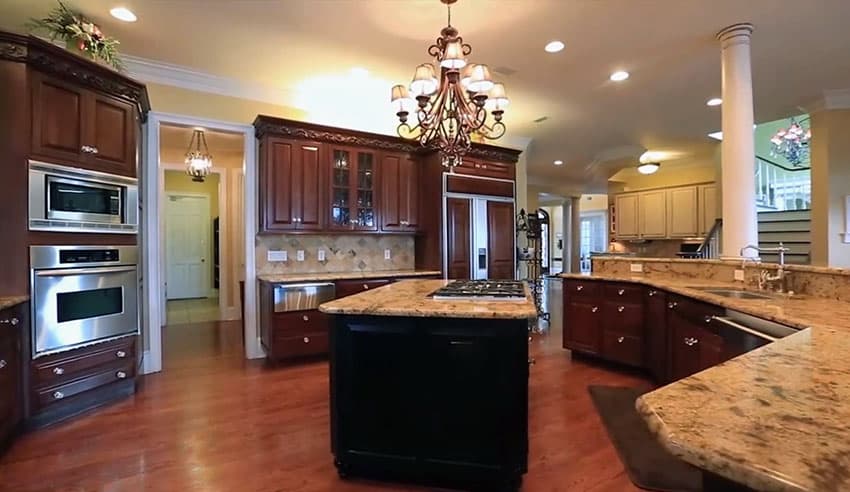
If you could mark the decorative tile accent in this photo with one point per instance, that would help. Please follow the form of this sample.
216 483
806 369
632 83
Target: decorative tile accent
343 253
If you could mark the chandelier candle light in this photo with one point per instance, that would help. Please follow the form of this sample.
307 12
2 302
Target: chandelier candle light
198 162
449 109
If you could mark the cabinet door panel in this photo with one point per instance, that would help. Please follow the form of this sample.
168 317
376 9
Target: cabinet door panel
626 209
391 192
500 240
111 130
457 228
622 348
623 317
682 211
57 119
692 347
582 327
652 210
707 208
278 174
656 334
409 198
9 377
310 195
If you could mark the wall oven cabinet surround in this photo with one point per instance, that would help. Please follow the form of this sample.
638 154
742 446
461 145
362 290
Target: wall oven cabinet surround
67 199
82 295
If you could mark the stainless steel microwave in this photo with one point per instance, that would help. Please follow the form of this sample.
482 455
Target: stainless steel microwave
78 200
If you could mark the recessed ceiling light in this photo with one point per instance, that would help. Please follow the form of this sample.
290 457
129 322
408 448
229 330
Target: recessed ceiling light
714 101
123 14
619 76
554 46
558 162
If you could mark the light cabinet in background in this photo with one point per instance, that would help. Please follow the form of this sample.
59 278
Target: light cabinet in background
665 213
652 213
627 216
708 212
682 212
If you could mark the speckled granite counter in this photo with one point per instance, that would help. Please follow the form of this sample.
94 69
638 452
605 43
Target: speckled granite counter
12 301
318 277
410 298
774 419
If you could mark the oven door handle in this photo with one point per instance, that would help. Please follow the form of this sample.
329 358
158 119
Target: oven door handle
83 271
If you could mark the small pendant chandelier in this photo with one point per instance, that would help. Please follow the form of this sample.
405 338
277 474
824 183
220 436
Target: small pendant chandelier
198 162
792 143
449 109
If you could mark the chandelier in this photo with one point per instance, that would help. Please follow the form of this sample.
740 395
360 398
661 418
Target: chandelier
198 162
453 106
792 143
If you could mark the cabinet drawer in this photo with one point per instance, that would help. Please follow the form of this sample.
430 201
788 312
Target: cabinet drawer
623 317
692 310
622 348
299 323
57 368
581 288
301 346
346 288
624 292
54 394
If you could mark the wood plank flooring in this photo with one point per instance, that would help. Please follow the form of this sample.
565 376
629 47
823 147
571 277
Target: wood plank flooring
213 422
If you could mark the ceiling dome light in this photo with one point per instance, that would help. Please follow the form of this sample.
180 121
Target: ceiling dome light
648 167
558 162
554 46
123 14
714 101
619 76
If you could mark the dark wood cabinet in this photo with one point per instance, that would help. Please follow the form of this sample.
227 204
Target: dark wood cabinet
296 334
345 288
656 335
13 325
693 346
459 239
353 180
291 185
399 196
500 240
81 127
487 169
582 325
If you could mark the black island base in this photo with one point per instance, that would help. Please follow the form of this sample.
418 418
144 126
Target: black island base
436 401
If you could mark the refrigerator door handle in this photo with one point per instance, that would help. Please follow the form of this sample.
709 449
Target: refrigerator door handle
482 258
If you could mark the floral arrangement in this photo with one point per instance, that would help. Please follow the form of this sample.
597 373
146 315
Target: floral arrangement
79 33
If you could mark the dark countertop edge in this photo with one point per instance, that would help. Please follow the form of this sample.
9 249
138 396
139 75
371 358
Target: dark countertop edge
404 314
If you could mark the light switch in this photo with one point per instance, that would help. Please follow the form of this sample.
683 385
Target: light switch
388 254
299 255
636 267
276 255
321 255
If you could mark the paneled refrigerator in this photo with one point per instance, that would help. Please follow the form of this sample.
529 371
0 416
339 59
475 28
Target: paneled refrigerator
479 237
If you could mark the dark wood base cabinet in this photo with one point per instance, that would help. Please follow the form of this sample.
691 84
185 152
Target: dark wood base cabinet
430 400
13 323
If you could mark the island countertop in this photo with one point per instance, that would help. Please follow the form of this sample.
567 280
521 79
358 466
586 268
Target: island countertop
412 298
281 278
776 418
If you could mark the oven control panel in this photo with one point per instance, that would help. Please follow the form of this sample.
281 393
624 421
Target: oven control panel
88 255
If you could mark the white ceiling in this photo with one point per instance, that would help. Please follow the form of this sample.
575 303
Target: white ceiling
306 48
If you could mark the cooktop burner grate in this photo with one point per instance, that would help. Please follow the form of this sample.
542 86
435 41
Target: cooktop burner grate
507 290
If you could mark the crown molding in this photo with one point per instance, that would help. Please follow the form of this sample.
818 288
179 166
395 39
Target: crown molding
830 99
156 72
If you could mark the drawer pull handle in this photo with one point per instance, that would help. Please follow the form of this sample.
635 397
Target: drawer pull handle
621 339
621 292
366 286
579 287
121 375
58 371
306 339
690 342
120 354
595 308
13 321
652 293
305 318
708 319
672 305
58 395
620 309
3 363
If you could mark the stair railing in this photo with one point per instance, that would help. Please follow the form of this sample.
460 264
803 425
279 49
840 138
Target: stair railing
780 187
710 246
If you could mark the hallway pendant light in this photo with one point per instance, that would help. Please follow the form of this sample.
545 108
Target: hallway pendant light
198 161
648 167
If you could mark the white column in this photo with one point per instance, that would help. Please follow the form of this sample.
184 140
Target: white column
740 223
575 235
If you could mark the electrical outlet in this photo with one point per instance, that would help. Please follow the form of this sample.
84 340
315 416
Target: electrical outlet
636 267
739 275
276 255
321 255
388 254
299 255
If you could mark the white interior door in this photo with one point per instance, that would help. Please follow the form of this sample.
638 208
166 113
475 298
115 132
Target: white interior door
187 238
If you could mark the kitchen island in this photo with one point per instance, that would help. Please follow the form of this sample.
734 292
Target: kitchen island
429 390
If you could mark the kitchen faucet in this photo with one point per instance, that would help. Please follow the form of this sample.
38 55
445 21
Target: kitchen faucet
765 277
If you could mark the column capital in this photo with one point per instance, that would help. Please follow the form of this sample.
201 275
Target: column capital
735 34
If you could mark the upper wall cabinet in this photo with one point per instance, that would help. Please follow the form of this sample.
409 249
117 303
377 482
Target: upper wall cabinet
708 212
399 195
671 213
682 212
626 207
652 213
354 174
291 185
83 128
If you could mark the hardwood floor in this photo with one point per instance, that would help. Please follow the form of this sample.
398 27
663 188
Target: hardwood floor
212 421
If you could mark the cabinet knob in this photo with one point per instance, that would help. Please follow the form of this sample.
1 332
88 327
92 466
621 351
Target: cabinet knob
621 339
620 309
652 293
12 321
594 309
3 363
579 287
305 318
121 375
621 292
690 342
672 305
120 354
366 286
88 149
306 339
708 319
58 371
58 395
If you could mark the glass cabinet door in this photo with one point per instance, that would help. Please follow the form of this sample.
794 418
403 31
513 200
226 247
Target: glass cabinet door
365 191
341 188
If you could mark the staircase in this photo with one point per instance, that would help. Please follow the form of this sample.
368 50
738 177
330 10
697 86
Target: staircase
781 188
793 228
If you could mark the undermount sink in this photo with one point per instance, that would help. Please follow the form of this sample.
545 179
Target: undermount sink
734 293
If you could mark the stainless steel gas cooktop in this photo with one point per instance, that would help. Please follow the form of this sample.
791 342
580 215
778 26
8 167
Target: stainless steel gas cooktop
482 290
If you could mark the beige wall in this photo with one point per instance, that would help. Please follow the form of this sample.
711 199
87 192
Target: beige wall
593 203
830 156
700 170
170 99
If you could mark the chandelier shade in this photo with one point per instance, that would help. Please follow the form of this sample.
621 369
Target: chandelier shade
452 104
792 143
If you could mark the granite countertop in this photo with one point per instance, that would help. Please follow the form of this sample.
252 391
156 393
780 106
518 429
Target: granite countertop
316 277
12 301
410 298
776 418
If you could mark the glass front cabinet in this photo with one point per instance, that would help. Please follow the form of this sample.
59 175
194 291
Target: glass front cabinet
353 185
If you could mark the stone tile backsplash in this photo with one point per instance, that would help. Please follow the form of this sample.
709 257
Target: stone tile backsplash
343 253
